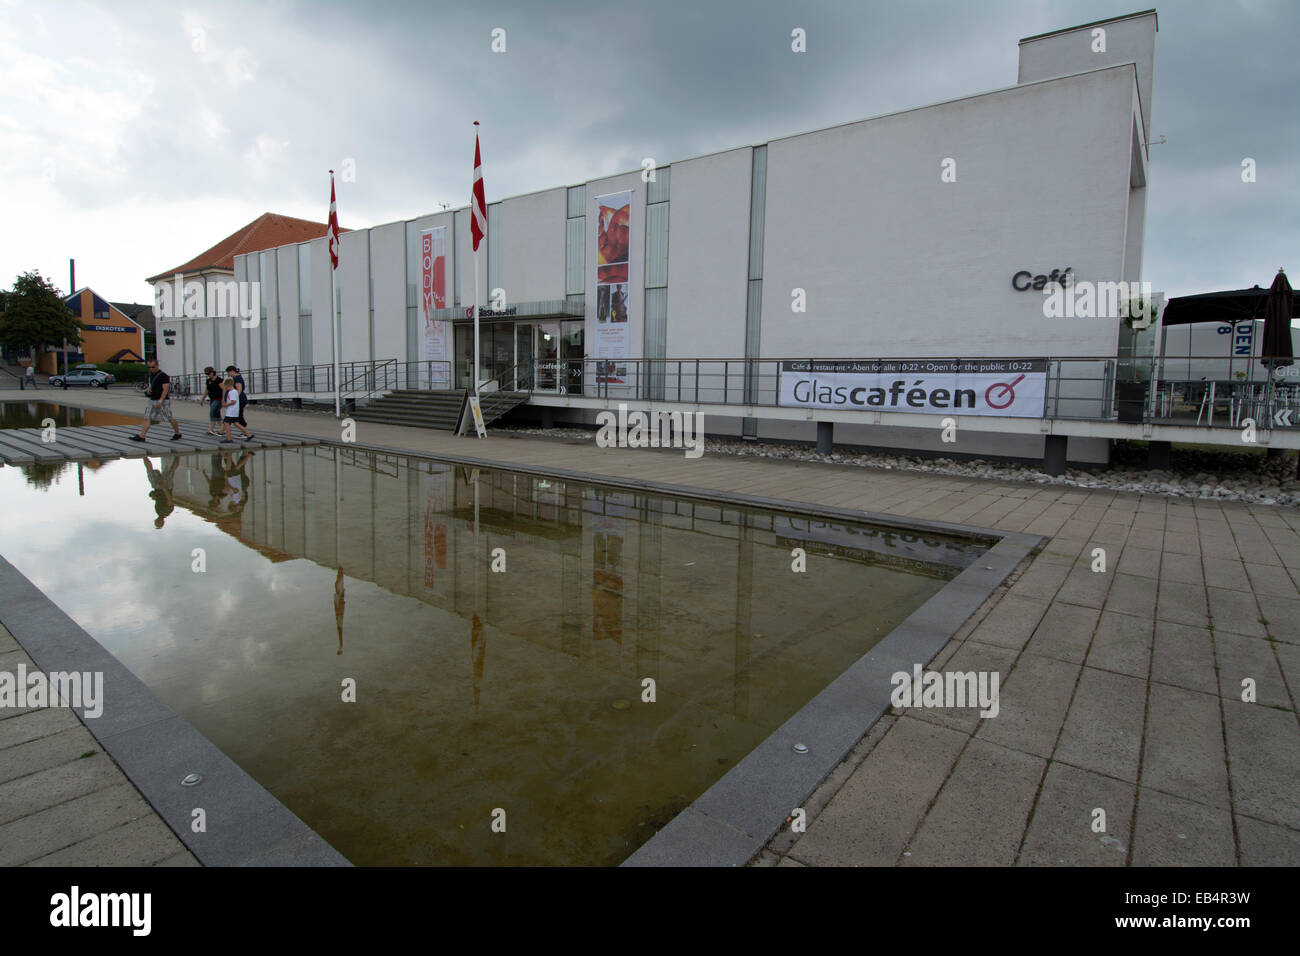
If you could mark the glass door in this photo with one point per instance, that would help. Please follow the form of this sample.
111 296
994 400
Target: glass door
572 353
548 356
523 354
464 335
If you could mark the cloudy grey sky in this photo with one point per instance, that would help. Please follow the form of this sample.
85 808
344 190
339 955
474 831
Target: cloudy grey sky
133 135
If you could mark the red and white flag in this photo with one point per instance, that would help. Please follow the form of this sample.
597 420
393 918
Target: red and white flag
333 232
478 217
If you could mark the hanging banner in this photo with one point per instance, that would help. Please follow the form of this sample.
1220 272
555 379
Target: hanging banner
613 227
1010 388
433 285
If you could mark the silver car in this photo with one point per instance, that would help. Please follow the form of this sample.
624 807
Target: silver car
84 376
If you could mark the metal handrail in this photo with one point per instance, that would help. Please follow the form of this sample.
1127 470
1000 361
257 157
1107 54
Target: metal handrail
529 365
372 375
1082 388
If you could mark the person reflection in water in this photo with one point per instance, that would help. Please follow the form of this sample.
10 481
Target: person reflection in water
338 605
164 502
217 486
236 492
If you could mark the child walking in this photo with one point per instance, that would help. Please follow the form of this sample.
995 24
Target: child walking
229 408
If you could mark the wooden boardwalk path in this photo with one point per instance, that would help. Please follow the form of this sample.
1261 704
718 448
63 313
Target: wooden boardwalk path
24 446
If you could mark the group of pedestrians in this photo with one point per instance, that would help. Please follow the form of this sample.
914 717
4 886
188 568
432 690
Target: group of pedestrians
226 401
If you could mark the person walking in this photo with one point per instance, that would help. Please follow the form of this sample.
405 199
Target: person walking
29 376
229 408
214 400
239 421
158 388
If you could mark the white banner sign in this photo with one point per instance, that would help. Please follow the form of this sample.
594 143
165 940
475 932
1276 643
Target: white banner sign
1011 388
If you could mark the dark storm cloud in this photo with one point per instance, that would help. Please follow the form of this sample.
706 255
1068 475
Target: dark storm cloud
209 115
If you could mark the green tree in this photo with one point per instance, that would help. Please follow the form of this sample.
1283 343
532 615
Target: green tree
35 315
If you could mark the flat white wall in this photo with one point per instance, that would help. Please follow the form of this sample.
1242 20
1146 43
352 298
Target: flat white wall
354 295
463 260
708 255
243 338
250 340
895 262
288 296
389 249
193 348
320 305
1128 40
532 246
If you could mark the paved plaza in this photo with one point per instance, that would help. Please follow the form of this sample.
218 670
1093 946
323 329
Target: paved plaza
1122 735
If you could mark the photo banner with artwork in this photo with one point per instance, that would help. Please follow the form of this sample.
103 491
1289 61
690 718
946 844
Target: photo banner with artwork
613 227
1008 388
433 285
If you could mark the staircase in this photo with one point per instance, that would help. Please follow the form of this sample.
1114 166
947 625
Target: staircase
434 409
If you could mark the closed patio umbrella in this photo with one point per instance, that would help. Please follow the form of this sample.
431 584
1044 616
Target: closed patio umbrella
1276 348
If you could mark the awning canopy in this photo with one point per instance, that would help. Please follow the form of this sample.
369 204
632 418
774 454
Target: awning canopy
1239 305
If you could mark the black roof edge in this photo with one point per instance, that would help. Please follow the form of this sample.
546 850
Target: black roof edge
1095 23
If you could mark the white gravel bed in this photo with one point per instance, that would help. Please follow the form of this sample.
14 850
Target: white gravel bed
1220 476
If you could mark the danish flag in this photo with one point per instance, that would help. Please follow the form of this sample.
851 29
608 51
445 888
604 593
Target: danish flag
333 232
478 221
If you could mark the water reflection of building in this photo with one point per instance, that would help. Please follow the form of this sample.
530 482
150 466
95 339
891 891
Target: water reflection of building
482 689
593 572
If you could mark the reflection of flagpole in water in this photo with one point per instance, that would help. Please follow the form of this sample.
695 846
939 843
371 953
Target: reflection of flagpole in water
338 494
338 605
81 481
477 649
477 642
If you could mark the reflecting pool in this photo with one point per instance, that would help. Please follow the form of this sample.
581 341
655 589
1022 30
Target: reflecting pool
584 658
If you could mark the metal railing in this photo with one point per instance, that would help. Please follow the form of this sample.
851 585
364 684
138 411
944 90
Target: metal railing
1209 390
520 377
1187 389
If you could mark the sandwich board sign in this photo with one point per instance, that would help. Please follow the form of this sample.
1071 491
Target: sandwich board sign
478 416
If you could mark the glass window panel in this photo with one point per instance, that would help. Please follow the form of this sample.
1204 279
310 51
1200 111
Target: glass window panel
577 201
656 245
575 256
304 279
657 190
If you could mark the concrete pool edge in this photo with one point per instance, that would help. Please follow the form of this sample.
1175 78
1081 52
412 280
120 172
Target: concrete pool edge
731 822
156 748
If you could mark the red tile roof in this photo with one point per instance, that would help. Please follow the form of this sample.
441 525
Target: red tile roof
265 232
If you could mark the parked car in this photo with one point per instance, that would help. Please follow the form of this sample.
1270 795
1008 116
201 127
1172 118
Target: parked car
84 376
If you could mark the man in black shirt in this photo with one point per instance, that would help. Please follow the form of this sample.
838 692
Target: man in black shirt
160 407
214 400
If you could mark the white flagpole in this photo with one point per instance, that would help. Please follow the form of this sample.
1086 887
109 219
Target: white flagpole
476 255
476 353
334 345
334 332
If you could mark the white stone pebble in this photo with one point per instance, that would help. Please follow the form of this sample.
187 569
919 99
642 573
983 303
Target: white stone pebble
1219 476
